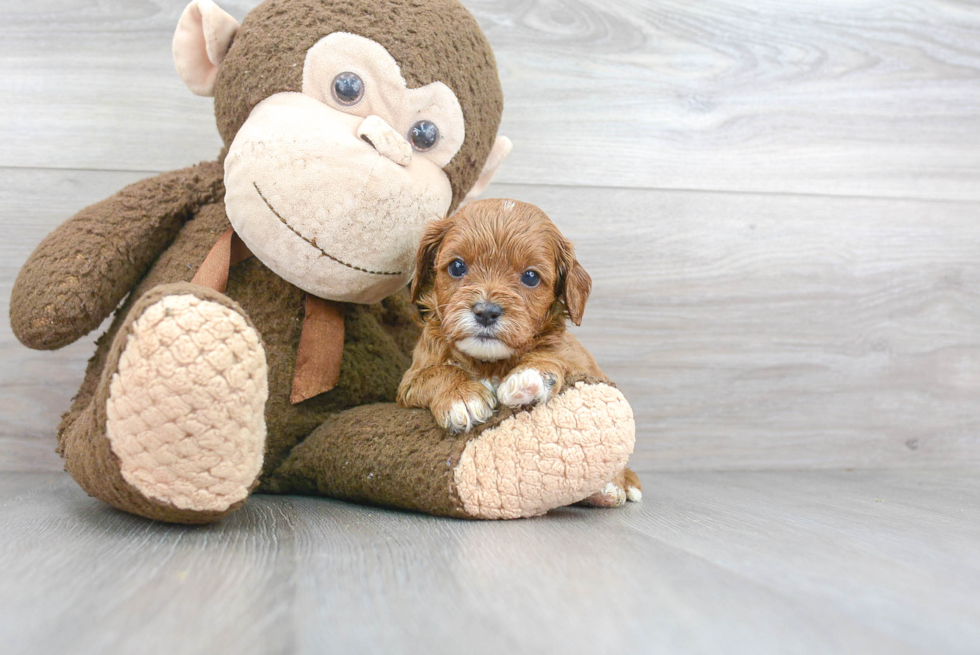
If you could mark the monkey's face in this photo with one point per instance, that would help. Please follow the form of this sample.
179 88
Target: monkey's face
334 163
331 187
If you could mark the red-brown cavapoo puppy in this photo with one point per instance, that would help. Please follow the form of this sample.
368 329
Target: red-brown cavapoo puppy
496 283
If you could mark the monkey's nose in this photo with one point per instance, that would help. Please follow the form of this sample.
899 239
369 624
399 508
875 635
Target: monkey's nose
487 313
385 140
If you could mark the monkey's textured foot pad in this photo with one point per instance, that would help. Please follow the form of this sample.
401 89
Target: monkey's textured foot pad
555 455
186 407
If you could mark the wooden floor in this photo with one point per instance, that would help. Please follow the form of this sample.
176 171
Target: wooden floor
779 203
723 562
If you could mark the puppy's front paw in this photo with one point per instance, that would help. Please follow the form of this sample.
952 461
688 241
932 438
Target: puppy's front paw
526 386
462 409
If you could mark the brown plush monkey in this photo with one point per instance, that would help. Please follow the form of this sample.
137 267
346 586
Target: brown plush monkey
264 323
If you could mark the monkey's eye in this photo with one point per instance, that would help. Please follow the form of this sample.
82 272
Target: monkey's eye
423 135
457 269
348 89
530 278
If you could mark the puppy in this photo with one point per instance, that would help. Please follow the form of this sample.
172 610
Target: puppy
496 283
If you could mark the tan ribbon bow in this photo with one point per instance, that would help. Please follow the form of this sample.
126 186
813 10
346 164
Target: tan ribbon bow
321 343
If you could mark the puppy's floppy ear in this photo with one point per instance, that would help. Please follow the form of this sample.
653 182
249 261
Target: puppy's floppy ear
574 283
425 260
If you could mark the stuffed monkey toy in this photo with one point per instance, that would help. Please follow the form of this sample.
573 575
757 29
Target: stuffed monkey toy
262 323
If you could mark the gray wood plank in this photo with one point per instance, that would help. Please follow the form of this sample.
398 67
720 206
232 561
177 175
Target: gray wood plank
898 549
748 331
820 96
814 96
869 562
783 331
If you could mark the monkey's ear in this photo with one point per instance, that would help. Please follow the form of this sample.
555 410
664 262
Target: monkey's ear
202 39
575 284
501 148
425 260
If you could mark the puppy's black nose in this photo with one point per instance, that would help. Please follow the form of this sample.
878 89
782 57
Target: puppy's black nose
487 313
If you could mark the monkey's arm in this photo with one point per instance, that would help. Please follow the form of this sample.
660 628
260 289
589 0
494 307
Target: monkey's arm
80 272
542 373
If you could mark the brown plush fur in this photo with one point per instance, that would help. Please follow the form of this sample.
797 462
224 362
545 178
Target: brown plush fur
155 234
158 232
90 461
79 273
376 349
373 439
433 40
498 240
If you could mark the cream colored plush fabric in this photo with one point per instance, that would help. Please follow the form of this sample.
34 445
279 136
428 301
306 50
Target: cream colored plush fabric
324 209
386 93
202 39
385 140
548 457
332 197
186 407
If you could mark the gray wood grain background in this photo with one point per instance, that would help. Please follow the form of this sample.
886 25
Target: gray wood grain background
834 562
778 202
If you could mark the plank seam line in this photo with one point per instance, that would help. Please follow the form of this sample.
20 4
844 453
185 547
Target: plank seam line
729 192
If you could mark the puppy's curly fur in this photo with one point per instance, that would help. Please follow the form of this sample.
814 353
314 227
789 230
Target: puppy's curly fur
520 353
510 257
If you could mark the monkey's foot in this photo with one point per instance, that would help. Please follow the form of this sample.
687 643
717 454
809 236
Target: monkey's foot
554 455
185 414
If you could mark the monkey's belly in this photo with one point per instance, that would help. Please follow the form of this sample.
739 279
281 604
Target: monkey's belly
377 351
377 346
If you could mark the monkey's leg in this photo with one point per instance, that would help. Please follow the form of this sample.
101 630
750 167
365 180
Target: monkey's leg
176 429
518 465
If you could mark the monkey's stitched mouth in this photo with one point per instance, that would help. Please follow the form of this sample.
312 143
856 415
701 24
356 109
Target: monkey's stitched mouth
313 243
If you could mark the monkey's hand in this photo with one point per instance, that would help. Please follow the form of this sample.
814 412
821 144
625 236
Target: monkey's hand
80 272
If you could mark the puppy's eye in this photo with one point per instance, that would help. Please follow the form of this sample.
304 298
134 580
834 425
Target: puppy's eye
348 89
530 279
423 135
457 269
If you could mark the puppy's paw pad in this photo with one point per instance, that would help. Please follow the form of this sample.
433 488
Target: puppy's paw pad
524 387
